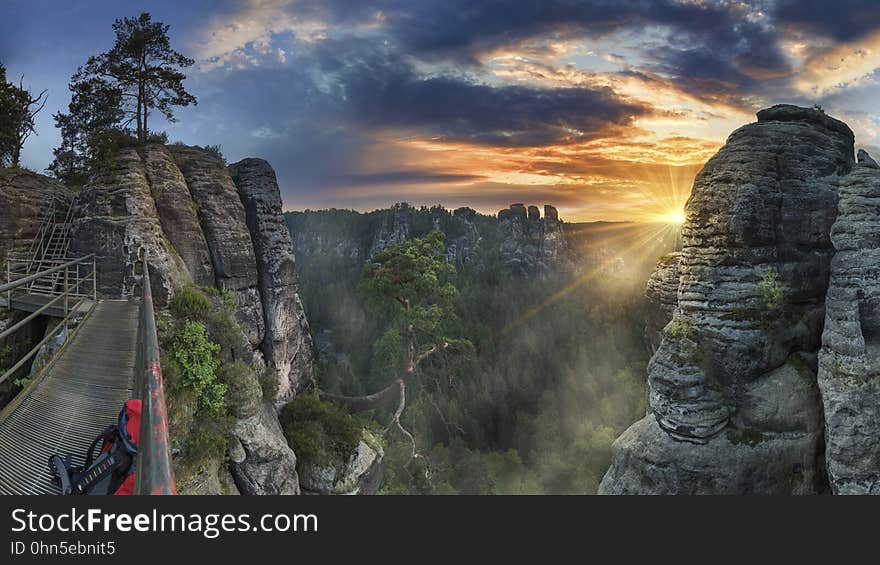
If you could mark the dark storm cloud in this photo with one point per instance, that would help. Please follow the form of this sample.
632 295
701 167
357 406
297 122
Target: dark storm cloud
456 109
716 51
842 20
463 29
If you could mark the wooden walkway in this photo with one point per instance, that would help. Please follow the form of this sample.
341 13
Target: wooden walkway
73 401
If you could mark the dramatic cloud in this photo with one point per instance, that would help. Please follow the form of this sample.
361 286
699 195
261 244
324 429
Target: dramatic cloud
841 20
606 108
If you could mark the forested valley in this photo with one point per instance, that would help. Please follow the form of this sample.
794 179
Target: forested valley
546 370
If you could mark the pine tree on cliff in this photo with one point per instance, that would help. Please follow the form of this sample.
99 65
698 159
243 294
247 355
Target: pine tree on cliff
413 279
18 110
116 92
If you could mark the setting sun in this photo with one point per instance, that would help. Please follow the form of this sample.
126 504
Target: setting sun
675 218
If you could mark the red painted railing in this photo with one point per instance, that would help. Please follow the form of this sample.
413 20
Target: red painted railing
154 474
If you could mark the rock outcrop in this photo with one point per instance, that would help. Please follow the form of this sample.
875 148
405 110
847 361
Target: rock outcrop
116 219
23 199
463 246
529 244
287 345
661 294
177 213
849 362
223 222
734 405
181 207
362 474
394 229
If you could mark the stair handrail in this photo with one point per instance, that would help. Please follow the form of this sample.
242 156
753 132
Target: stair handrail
154 474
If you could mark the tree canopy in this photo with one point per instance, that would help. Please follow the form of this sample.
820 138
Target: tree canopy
413 280
18 109
115 93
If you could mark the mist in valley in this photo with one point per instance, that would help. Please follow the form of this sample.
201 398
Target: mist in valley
555 373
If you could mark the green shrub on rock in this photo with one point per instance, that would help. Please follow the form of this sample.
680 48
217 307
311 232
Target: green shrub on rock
320 432
197 356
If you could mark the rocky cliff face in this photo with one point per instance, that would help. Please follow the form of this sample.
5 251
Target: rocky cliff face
661 294
531 245
286 345
849 361
528 244
734 401
463 249
197 224
23 199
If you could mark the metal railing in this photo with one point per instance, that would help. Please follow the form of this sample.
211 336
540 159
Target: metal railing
49 282
71 279
154 474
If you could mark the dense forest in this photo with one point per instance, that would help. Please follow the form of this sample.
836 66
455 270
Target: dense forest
553 371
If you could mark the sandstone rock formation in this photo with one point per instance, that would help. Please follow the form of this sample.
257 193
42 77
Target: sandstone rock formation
287 345
393 230
116 219
463 249
181 207
226 232
662 298
849 362
732 387
23 199
531 245
362 474
528 244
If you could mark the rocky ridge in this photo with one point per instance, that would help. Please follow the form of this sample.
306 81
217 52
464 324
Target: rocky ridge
766 367
531 244
528 244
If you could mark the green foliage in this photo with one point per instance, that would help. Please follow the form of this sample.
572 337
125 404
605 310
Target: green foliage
189 303
768 293
22 382
196 355
115 90
216 151
682 329
18 109
320 432
546 373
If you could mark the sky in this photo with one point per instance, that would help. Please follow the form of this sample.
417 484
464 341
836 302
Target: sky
605 109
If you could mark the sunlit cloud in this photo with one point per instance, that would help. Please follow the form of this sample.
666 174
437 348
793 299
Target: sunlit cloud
605 109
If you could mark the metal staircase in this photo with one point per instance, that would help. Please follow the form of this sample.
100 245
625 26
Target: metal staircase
50 247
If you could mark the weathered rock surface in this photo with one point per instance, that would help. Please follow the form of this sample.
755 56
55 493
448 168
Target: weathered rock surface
23 199
463 249
754 271
783 458
529 244
849 362
181 206
116 218
394 229
361 475
260 459
287 346
222 218
177 213
662 297
214 479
